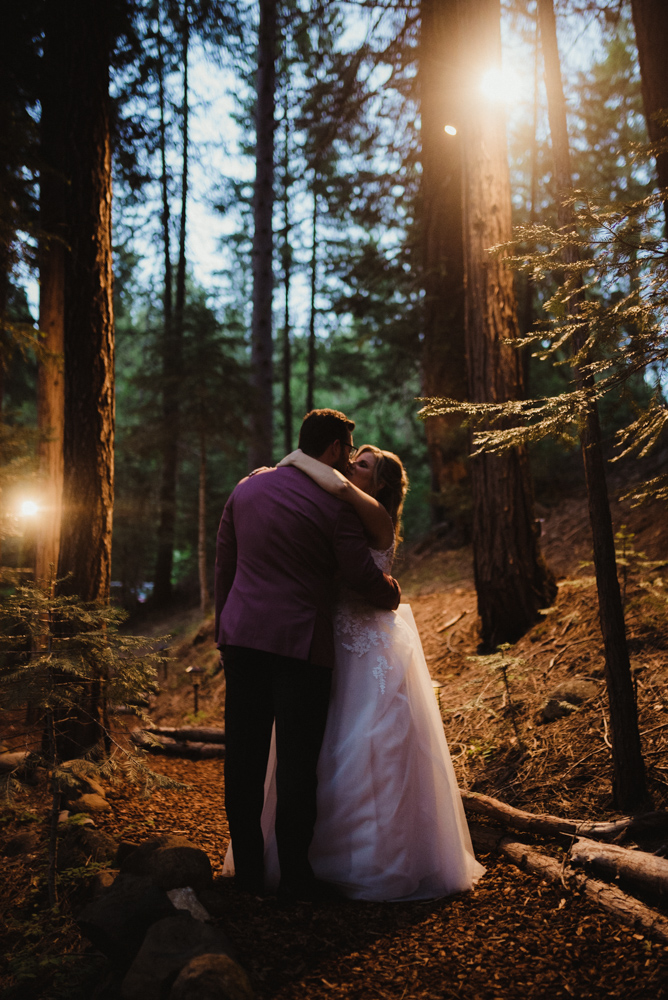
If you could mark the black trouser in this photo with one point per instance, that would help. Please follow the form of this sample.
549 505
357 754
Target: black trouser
261 687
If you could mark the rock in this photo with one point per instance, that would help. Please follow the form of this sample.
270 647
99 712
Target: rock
185 899
79 843
168 946
90 802
211 977
553 709
102 882
80 783
26 842
171 862
117 921
575 691
125 848
565 698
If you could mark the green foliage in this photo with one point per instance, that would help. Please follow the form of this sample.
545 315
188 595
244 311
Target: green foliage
612 330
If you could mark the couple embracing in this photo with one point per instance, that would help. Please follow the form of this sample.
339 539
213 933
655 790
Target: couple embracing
338 778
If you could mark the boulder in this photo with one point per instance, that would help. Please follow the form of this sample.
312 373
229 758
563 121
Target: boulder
171 863
26 842
117 921
79 843
185 899
90 802
575 691
80 783
566 697
211 977
168 946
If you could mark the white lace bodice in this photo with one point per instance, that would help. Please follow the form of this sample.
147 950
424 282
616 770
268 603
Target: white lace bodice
383 560
362 628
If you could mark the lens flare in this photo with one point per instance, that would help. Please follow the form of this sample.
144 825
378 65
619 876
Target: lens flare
451 130
29 508
500 85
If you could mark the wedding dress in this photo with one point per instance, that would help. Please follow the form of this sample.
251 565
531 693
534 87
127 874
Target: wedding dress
390 824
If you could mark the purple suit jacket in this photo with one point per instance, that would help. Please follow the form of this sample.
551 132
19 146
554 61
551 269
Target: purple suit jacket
283 544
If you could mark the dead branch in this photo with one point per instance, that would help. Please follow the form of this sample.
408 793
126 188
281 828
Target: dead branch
189 734
155 743
543 823
608 897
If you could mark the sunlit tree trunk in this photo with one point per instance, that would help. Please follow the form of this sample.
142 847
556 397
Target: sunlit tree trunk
85 548
260 451
650 20
511 578
444 350
50 379
629 781
162 583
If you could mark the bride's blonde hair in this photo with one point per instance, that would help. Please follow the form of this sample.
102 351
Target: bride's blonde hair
390 483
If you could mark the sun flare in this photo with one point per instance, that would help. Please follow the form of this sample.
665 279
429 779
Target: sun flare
500 85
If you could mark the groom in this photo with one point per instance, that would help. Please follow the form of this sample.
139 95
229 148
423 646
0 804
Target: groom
283 546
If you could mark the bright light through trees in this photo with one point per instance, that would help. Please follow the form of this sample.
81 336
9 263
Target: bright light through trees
500 85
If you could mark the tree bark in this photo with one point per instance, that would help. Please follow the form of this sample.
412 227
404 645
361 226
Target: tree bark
201 529
287 277
638 871
650 20
310 370
629 780
261 446
52 252
512 580
85 549
444 348
162 581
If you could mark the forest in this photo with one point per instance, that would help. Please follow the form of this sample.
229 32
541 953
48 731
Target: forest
447 219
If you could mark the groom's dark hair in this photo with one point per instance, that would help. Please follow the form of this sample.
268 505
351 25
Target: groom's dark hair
320 428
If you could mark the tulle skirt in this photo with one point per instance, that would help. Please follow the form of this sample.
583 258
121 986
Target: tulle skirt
391 825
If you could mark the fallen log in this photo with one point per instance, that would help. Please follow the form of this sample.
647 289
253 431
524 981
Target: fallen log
611 899
189 734
544 823
176 748
636 869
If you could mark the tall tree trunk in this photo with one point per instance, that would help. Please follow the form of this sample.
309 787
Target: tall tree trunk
629 782
162 583
287 277
512 580
201 527
173 346
84 564
85 549
650 20
444 350
260 451
50 379
310 365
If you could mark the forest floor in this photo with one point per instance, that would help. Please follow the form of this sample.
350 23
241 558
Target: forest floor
513 935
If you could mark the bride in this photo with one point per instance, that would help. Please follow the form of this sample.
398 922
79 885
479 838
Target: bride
390 823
